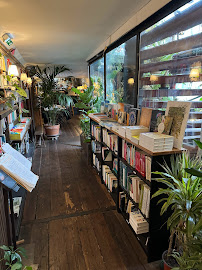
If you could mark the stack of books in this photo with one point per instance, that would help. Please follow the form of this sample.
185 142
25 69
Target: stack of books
135 131
138 223
96 132
122 131
109 178
156 142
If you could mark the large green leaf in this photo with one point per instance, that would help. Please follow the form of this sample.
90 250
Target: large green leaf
194 172
16 266
21 92
81 105
198 143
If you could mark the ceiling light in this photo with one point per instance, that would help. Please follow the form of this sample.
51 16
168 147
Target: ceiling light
194 74
153 78
13 71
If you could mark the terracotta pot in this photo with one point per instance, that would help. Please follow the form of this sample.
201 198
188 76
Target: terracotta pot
168 265
52 130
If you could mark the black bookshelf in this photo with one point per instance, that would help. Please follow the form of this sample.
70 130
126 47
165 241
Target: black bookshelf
155 242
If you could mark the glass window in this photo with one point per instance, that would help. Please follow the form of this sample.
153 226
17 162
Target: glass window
170 64
97 78
120 73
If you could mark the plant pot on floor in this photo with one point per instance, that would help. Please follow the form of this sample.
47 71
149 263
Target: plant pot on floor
86 146
52 130
169 261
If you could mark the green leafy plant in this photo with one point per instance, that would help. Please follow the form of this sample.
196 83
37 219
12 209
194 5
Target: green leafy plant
13 258
183 195
86 104
54 105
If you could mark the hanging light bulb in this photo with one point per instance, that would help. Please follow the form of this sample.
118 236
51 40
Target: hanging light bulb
12 70
23 77
29 81
153 78
194 74
131 81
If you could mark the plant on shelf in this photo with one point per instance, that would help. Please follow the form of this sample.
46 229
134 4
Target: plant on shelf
13 258
86 104
54 105
183 195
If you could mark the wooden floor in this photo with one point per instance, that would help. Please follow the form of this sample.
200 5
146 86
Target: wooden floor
70 221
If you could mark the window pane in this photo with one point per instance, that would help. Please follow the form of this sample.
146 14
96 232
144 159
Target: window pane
170 64
120 72
97 77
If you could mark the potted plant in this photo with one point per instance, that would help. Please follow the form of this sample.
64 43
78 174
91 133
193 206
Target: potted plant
183 194
86 103
13 258
54 105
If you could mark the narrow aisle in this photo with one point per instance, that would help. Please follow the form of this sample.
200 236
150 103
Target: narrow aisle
70 220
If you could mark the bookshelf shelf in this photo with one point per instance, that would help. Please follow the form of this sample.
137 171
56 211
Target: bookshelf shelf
142 238
154 243
6 112
135 203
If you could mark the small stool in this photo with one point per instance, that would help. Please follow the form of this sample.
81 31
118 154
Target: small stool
39 132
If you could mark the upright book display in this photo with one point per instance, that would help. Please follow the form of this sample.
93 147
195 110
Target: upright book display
127 176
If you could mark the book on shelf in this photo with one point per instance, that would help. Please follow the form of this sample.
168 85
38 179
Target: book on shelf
134 116
96 132
109 178
144 203
145 117
111 140
18 172
135 139
96 147
122 201
156 142
128 153
16 205
106 154
135 131
156 119
96 162
138 222
115 165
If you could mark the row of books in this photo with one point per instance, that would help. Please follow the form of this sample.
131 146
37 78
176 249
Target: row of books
12 117
96 147
17 132
96 132
137 159
109 178
137 221
96 162
123 113
111 140
128 152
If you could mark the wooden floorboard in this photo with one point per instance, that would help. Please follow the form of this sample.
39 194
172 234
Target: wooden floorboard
70 219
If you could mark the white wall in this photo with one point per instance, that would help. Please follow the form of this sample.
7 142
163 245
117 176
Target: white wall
136 19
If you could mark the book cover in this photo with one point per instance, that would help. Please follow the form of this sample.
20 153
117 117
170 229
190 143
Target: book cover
156 119
145 117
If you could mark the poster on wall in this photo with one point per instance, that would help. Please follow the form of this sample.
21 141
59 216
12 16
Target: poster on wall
179 111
